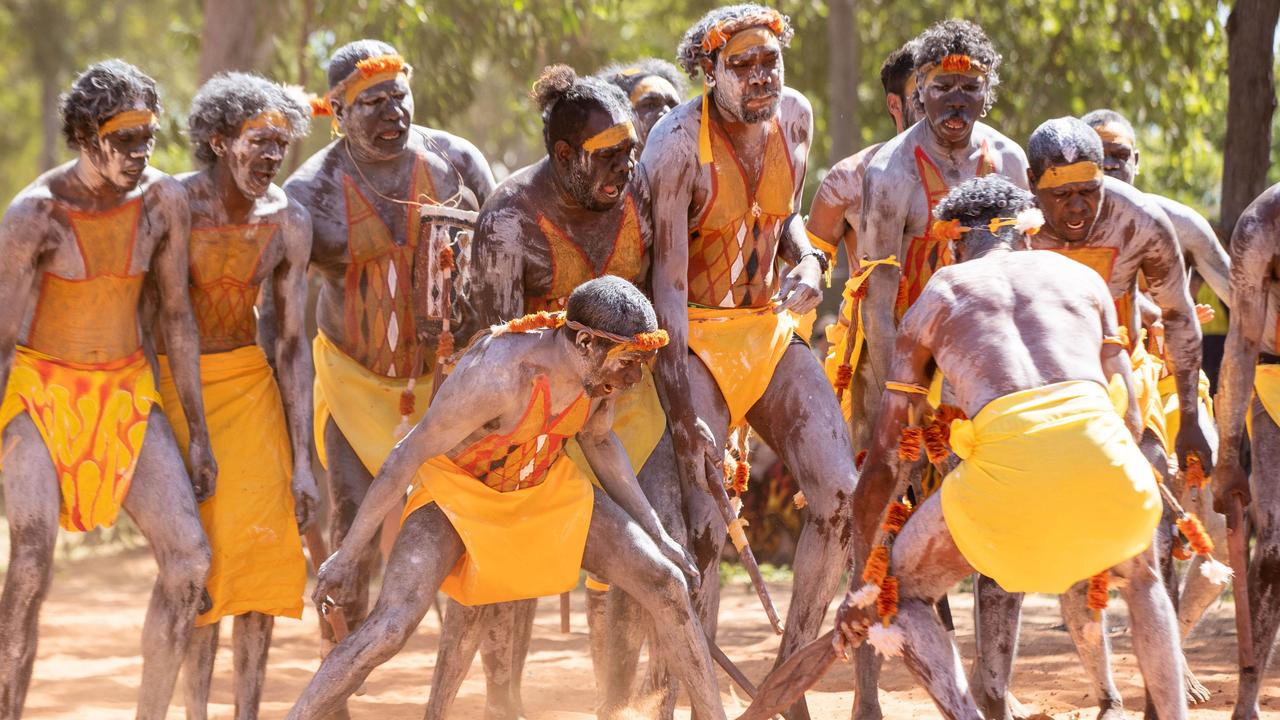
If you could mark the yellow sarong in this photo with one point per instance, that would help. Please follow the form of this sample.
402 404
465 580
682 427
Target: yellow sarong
258 564
742 347
1147 369
1051 489
93 419
1168 387
638 421
364 405
520 544
1266 385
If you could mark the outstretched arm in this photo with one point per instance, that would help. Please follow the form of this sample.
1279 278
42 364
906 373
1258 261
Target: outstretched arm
1162 265
178 323
21 233
293 356
1200 243
1253 274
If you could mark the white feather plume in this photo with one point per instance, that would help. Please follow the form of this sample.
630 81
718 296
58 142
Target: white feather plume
887 641
1216 572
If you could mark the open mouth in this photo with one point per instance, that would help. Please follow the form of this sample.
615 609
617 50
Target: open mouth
1077 225
955 122
263 177
611 191
390 135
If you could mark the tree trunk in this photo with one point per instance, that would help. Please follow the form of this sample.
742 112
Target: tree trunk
1251 102
232 37
843 70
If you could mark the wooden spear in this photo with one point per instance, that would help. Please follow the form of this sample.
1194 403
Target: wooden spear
715 484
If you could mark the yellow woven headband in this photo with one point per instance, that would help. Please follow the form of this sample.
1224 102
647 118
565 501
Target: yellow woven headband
1077 172
610 136
126 120
650 84
266 118
1114 133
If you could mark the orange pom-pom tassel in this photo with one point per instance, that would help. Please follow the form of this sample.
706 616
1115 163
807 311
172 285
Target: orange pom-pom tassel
1181 552
1197 536
877 567
895 518
741 476
935 443
887 601
1098 591
910 443
407 402
446 257
1195 472
844 378
444 345
320 106
859 460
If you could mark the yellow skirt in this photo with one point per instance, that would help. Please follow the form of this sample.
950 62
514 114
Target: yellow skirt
638 421
93 419
742 347
520 544
364 405
258 564
1052 488
1168 388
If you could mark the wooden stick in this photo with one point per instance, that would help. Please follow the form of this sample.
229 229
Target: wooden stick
732 670
564 612
1238 550
789 681
715 483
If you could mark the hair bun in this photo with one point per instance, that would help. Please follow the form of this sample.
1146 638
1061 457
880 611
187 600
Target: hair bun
554 82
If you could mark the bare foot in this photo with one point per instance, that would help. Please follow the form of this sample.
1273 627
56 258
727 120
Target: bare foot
1017 710
1196 693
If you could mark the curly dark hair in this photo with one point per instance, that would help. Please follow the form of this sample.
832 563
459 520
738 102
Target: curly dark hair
103 90
344 59
564 99
689 52
895 70
223 103
627 75
613 305
959 37
979 199
1105 116
1062 141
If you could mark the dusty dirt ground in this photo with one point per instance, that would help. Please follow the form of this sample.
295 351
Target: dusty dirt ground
89 665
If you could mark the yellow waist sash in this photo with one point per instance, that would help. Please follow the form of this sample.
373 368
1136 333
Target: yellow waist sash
638 421
1052 488
520 544
93 419
364 405
838 332
257 553
742 347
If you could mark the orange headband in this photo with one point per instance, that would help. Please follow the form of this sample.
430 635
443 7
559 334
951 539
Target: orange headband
954 64
1077 172
640 342
719 34
1027 222
266 119
369 72
126 120
1114 133
610 136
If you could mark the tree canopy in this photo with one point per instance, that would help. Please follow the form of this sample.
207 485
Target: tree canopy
1161 64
